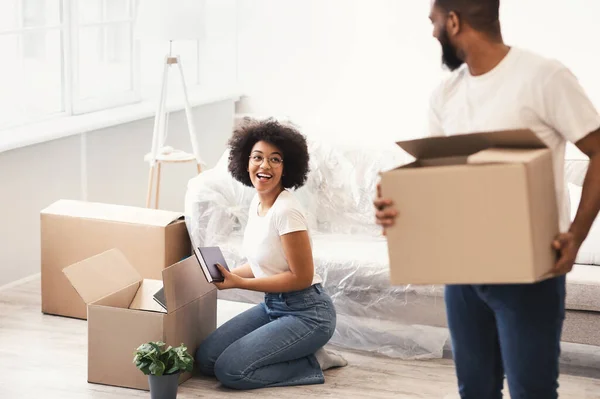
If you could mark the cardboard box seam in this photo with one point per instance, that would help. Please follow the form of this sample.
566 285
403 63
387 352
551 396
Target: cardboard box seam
531 235
118 222
119 309
192 301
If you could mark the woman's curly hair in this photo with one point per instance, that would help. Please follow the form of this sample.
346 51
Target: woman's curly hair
288 140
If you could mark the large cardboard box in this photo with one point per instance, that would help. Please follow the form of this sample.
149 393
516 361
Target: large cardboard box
75 230
473 209
122 313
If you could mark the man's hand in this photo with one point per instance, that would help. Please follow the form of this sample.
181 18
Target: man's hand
385 214
567 246
231 280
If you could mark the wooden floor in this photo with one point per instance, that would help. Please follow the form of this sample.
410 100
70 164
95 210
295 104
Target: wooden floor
45 357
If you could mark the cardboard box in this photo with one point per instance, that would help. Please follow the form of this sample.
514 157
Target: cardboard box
75 230
122 314
473 209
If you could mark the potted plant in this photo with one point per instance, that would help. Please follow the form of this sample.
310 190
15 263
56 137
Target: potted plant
163 367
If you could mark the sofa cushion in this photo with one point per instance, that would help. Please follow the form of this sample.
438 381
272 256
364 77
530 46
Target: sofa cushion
581 328
583 288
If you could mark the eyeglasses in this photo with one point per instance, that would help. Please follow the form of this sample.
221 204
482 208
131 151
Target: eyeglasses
259 159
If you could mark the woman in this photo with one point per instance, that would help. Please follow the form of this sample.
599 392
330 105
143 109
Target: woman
280 341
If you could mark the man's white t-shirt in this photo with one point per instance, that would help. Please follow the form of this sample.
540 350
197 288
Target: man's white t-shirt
524 91
262 237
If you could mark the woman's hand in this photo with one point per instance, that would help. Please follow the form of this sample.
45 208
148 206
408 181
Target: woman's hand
231 280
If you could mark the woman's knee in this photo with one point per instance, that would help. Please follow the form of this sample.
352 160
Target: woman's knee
205 361
231 374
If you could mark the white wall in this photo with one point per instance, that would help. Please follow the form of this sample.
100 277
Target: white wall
104 165
210 65
364 69
347 68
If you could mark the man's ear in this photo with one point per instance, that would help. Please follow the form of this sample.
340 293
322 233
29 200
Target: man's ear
453 23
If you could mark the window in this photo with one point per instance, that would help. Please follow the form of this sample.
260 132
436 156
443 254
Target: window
31 34
102 54
65 57
71 57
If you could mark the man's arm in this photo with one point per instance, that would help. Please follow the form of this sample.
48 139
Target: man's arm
589 205
566 107
568 243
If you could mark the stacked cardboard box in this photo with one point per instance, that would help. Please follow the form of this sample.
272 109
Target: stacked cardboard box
104 263
72 231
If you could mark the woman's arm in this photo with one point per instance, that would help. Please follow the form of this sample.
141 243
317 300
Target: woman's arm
296 247
243 271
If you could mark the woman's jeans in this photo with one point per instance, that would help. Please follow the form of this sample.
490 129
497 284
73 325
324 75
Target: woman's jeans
273 343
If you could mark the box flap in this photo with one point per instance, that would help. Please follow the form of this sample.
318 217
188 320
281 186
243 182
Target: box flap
505 155
144 298
184 282
101 275
467 144
520 138
113 213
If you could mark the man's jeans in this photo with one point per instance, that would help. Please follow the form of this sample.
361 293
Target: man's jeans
273 343
507 329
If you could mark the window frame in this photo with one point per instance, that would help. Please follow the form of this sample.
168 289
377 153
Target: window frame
68 28
83 106
19 30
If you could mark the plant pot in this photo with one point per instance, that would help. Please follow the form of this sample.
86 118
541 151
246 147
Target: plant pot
163 386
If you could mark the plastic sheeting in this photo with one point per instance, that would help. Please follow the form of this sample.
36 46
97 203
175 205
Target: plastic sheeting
348 249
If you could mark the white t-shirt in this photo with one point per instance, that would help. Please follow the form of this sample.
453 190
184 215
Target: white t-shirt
262 237
524 91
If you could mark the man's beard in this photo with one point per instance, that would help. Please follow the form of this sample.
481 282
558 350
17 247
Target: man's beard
450 56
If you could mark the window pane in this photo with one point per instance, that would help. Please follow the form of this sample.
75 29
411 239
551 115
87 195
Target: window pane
104 60
117 9
89 10
34 45
8 15
40 12
31 86
32 13
103 10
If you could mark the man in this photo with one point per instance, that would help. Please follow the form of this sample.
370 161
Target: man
510 329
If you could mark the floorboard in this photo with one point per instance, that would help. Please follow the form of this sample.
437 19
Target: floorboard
44 356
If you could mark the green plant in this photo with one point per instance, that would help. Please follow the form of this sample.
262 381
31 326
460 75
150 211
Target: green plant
151 359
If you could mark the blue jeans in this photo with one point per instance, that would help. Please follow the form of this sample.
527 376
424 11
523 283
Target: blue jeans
273 343
507 329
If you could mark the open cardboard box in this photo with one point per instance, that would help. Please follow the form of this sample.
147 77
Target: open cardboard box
122 313
473 209
72 231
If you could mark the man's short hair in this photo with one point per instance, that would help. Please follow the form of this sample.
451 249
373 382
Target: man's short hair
481 15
